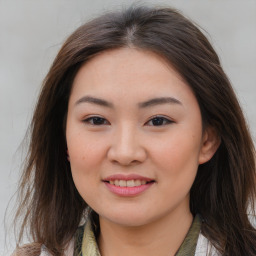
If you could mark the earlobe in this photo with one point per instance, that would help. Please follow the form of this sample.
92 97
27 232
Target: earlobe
210 143
68 158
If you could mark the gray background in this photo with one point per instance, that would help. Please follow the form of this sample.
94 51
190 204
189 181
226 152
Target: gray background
31 33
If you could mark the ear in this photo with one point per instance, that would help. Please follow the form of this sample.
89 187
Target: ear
210 143
68 158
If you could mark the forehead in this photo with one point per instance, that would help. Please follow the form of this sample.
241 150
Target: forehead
129 72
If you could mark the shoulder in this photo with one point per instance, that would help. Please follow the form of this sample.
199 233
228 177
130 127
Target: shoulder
37 249
33 249
204 247
252 219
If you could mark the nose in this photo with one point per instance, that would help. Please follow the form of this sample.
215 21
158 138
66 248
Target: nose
127 147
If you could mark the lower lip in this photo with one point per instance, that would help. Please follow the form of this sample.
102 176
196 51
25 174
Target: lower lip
128 191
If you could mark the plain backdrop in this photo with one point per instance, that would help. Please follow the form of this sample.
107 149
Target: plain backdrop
31 33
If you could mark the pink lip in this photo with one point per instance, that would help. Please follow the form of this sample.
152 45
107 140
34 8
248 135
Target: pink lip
128 191
127 177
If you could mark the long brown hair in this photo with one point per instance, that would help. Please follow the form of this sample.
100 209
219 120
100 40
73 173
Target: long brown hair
224 187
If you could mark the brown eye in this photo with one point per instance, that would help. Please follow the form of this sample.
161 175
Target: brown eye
96 120
159 121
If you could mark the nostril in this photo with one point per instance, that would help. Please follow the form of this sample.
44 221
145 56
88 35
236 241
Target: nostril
126 153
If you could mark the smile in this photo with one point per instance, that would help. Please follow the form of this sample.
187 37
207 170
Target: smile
127 183
131 185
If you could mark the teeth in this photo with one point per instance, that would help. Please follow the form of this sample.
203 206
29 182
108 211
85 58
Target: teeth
128 183
122 183
137 182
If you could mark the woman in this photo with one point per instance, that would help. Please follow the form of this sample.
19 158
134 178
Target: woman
138 133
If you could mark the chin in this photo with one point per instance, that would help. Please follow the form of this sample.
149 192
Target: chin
127 219
128 222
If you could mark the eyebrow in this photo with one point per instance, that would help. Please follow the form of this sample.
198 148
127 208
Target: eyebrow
94 100
159 101
145 104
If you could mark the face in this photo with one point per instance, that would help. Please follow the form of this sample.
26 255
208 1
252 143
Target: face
134 136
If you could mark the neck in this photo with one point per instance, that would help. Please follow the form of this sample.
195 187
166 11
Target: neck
162 237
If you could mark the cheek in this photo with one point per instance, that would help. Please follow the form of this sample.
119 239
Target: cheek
177 154
86 154
85 159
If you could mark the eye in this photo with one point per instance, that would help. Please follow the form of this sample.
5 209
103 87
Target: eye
96 120
159 121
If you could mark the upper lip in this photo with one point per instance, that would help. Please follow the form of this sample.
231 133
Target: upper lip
127 177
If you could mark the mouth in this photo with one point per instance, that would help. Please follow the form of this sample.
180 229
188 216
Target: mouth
131 185
128 183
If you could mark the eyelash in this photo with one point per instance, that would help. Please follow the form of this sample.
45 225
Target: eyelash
98 121
163 121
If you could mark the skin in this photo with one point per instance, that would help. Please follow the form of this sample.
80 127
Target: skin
126 140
